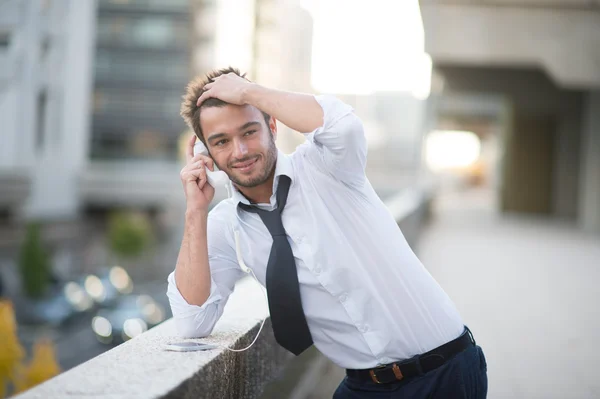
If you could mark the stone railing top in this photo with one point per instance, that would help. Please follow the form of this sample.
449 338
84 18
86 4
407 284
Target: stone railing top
142 368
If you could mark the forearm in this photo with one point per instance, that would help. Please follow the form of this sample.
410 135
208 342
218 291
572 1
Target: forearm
297 111
192 272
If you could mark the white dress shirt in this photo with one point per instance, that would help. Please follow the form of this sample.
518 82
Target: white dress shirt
367 298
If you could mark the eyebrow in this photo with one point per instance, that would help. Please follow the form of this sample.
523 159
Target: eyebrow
246 125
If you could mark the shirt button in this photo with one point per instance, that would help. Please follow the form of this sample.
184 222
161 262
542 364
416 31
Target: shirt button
317 269
343 297
364 328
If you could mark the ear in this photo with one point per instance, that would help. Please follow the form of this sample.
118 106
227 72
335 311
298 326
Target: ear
273 127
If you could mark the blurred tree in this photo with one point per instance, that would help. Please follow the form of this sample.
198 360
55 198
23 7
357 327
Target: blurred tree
129 233
34 263
11 351
42 367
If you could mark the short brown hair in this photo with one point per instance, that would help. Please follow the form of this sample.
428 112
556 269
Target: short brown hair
191 112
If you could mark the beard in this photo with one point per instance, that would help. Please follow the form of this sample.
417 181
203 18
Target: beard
264 174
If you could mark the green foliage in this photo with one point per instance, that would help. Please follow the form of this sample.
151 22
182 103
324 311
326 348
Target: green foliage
129 233
34 263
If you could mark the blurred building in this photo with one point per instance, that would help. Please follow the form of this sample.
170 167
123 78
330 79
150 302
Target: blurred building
104 129
530 71
89 102
46 50
89 118
119 68
142 66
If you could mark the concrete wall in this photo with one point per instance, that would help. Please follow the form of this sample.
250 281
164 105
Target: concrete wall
532 95
567 161
529 90
561 41
529 152
589 203
494 46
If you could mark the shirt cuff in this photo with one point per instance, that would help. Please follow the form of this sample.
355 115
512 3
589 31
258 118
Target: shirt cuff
180 307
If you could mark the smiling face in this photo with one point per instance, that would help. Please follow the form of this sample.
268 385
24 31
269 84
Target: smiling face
240 142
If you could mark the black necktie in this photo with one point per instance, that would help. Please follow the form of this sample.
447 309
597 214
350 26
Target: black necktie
287 317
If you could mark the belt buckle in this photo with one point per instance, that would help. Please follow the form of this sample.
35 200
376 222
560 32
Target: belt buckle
395 370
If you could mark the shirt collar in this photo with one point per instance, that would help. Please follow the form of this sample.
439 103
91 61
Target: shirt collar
283 166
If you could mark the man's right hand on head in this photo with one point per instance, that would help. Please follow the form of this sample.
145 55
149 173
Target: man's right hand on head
198 192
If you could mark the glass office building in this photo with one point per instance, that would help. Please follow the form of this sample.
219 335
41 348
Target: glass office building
141 68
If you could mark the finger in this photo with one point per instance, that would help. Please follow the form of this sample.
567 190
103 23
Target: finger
195 163
189 152
191 174
201 178
206 163
209 163
200 157
199 164
193 168
195 176
206 95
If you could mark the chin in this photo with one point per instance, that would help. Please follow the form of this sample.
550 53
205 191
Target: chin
250 181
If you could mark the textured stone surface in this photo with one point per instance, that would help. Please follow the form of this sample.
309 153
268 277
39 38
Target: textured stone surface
141 368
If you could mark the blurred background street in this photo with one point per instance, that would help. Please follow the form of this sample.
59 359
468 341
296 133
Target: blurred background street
490 107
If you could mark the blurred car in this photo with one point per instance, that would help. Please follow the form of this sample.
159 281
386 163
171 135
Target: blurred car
53 309
107 285
65 300
130 316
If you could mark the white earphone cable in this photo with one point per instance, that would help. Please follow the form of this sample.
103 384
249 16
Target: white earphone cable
245 269
261 324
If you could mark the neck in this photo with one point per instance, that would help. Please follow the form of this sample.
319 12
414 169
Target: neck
259 194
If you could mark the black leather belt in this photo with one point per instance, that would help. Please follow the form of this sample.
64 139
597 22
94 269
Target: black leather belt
417 365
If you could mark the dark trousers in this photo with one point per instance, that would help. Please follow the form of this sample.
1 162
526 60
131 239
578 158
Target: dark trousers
462 377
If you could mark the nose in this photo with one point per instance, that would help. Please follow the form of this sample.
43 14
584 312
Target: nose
240 149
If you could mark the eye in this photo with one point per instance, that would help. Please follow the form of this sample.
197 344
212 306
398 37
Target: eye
250 132
220 143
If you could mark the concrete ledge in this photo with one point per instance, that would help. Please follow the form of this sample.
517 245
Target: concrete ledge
141 368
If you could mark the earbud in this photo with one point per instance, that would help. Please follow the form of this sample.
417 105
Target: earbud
215 178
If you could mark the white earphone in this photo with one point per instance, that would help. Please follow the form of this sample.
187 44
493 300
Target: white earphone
215 178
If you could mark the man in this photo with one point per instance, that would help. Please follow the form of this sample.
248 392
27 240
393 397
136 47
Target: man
338 271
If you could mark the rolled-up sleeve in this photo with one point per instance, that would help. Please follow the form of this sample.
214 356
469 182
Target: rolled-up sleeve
340 144
194 321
